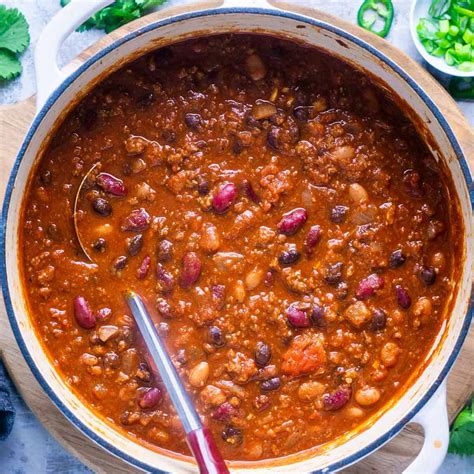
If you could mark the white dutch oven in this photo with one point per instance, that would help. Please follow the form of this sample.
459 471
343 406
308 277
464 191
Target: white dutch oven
425 400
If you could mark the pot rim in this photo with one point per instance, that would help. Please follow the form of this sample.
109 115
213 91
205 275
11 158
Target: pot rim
71 78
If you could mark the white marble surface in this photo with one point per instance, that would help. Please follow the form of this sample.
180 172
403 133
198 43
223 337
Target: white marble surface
30 449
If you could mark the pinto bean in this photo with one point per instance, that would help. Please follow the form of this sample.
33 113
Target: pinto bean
83 314
210 241
199 374
190 269
310 390
367 396
389 354
255 67
358 194
253 278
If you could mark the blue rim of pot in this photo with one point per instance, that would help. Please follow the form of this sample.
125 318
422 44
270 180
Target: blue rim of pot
381 440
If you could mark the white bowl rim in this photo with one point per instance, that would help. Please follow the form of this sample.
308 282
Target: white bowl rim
105 51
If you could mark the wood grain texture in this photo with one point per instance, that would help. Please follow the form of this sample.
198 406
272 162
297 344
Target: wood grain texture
395 455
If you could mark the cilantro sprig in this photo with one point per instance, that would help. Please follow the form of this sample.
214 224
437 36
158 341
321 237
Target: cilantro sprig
461 440
117 14
14 39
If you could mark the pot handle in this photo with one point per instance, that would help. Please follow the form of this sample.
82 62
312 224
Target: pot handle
48 74
433 417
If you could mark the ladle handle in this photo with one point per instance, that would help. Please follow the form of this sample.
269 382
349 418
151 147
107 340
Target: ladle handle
205 451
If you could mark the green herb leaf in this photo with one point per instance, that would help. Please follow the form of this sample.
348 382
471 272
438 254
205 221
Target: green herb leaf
14 34
117 14
10 66
461 440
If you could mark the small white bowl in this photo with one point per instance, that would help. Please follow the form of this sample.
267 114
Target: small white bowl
419 9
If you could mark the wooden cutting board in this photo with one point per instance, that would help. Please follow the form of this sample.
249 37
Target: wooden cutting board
392 458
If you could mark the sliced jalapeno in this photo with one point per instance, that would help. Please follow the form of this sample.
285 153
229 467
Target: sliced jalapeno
371 12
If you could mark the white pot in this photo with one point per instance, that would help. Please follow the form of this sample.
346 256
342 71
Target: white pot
424 401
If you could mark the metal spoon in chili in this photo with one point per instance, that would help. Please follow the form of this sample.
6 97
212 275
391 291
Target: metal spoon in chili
199 438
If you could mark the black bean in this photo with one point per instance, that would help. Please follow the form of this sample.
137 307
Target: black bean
99 245
145 99
317 316
263 354
202 185
102 207
303 113
338 214
193 121
333 273
135 244
342 290
379 320
168 136
216 337
165 251
46 177
428 275
272 138
403 297
182 356
397 259
288 257
270 385
111 360
232 435
120 262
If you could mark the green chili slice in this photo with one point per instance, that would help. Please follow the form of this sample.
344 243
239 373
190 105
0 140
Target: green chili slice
462 88
373 11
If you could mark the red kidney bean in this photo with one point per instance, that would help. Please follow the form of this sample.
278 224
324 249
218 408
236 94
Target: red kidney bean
249 191
102 207
190 270
144 267
270 385
224 412
150 398
379 320
83 314
368 286
110 184
218 296
103 314
165 280
397 259
224 198
413 183
312 238
263 354
292 221
317 316
288 257
297 317
337 399
134 244
428 275
338 214
136 221
403 298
